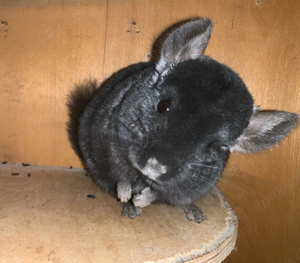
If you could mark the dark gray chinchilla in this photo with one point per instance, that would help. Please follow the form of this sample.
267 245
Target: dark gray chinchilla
162 132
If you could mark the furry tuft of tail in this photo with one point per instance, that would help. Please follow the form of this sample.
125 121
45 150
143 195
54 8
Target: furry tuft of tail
78 99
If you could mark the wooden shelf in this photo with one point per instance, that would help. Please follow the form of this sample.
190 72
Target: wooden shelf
48 216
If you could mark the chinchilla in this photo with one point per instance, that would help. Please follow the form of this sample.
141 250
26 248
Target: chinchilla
162 132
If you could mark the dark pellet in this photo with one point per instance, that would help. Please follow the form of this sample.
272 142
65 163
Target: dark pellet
71 167
25 164
86 175
4 162
29 175
91 196
14 174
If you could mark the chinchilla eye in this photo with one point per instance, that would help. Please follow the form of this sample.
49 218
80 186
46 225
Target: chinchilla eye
164 106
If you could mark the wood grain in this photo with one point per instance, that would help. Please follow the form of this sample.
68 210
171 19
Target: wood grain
50 45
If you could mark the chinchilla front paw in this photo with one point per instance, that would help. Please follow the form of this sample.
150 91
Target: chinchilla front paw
146 197
124 191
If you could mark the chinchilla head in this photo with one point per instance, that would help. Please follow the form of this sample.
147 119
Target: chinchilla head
185 112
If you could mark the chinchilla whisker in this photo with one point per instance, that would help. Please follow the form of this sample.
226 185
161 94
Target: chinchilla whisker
136 121
204 165
131 130
209 166
141 126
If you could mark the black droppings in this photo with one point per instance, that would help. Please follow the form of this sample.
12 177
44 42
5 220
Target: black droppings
71 167
137 32
86 175
29 174
133 23
128 30
25 164
14 174
91 196
4 162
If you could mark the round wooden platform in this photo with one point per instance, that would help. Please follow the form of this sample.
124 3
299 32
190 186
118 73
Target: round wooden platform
47 216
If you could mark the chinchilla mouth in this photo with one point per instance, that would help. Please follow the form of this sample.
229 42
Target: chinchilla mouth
152 169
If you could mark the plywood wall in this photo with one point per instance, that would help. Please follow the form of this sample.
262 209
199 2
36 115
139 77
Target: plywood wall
49 45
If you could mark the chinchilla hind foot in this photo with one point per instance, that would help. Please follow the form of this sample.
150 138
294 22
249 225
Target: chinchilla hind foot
130 210
194 213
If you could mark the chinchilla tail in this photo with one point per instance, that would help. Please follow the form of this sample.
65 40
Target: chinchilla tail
78 98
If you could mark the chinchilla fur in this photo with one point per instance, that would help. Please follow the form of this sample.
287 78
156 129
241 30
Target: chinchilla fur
162 132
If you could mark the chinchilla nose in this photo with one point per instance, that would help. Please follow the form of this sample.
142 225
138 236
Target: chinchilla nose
155 152
154 163
153 169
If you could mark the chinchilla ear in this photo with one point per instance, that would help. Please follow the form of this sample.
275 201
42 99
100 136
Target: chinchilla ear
186 42
266 128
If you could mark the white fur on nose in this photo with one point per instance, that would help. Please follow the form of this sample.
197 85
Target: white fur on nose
153 169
